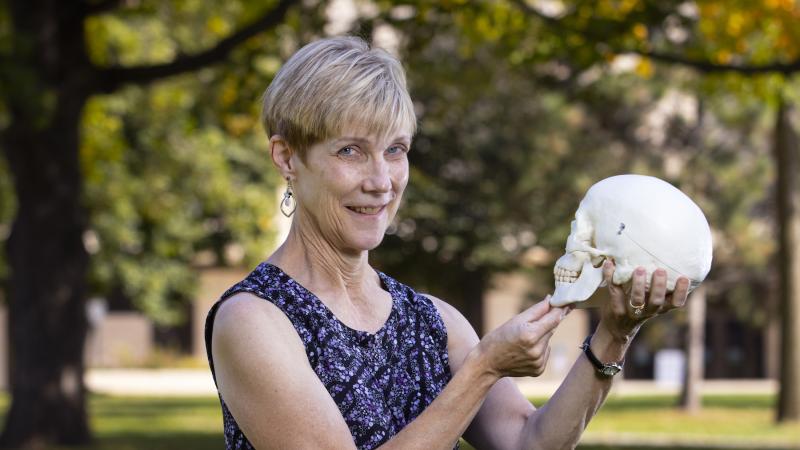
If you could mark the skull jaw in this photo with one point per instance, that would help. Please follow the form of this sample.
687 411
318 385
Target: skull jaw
587 283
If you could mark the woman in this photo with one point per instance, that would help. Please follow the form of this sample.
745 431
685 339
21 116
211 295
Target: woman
342 356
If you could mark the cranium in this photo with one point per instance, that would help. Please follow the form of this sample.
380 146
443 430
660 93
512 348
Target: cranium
634 220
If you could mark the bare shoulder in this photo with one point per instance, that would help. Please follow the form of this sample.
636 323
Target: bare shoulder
245 319
243 304
450 315
244 310
251 336
461 337
267 382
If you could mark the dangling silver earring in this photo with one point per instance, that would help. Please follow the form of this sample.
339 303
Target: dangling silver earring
288 204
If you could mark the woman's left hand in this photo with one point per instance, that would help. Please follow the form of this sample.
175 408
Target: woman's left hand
627 311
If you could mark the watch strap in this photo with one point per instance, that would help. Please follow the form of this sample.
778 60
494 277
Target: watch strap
605 370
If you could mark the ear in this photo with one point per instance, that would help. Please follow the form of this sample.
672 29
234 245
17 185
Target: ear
282 156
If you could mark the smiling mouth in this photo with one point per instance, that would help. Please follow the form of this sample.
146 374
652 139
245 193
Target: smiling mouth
368 210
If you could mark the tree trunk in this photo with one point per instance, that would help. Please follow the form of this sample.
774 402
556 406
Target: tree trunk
787 157
44 92
695 352
47 321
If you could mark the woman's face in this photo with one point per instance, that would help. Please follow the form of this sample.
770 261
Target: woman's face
349 188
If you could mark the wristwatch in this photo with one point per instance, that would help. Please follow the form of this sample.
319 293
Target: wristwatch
603 370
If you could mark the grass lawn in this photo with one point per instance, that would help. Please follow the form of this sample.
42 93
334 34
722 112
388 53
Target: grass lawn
126 423
122 423
746 420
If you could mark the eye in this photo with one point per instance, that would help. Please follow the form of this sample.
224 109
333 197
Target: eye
347 151
396 150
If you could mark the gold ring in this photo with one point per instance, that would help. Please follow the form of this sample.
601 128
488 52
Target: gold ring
637 310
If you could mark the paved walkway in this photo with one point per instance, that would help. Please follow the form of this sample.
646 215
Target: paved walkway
188 382
532 387
157 382
198 382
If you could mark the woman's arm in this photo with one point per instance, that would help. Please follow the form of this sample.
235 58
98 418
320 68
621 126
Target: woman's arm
518 348
274 384
500 420
267 383
561 421
508 421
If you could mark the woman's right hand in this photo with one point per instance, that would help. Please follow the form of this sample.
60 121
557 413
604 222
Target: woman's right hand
521 346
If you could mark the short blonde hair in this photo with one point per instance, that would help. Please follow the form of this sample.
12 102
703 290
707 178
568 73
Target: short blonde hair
334 83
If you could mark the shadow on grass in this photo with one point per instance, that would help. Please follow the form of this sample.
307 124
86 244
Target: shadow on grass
619 404
650 447
160 441
466 446
143 407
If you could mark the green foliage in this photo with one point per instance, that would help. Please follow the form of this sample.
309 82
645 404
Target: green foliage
739 31
177 174
502 158
520 114
162 189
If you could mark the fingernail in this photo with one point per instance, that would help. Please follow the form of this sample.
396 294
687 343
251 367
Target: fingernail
640 271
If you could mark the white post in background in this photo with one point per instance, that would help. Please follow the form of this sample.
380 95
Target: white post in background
691 400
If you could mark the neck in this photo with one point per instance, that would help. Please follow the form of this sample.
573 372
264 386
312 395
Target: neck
318 265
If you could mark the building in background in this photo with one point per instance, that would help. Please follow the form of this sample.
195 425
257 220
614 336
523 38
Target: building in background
120 336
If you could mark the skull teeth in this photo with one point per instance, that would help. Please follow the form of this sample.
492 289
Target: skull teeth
563 275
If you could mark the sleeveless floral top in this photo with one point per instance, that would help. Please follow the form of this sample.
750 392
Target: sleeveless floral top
380 381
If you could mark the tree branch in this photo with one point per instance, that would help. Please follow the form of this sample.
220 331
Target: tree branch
524 6
704 66
109 79
101 6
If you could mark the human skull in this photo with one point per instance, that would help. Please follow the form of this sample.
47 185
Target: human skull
634 220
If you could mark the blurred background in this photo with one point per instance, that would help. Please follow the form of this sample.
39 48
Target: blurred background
136 187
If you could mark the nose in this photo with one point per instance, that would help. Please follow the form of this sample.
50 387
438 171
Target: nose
379 178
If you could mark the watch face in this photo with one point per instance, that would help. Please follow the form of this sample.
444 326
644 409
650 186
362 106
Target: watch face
611 370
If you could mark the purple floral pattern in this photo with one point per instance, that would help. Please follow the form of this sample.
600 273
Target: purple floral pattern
380 381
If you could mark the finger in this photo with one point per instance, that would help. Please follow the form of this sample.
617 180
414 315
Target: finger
658 289
608 271
546 323
538 310
540 363
615 291
617 300
668 305
538 351
681 292
542 344
638 287
537 358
